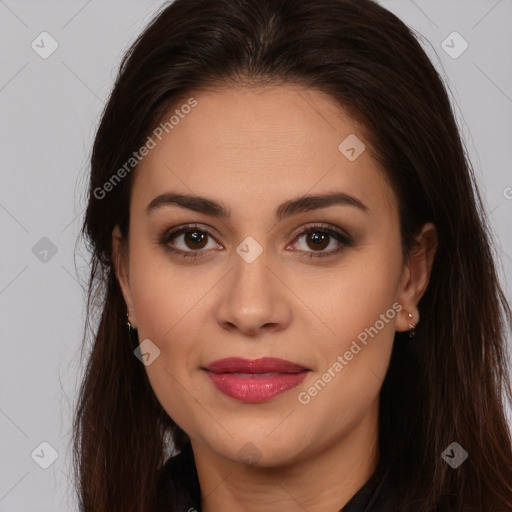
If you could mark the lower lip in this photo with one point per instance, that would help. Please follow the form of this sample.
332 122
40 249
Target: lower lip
255 387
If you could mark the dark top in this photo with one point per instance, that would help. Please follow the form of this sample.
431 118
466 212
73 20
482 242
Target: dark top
179 472
373 496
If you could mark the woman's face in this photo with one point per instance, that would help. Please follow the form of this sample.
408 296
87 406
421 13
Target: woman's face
250 166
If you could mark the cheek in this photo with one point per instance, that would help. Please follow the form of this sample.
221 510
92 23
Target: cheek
170 308
353 361
160 295
170 315
358 307
352 297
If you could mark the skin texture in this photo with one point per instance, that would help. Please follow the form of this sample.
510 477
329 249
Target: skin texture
253 149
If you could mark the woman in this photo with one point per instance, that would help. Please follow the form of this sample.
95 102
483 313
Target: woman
285 225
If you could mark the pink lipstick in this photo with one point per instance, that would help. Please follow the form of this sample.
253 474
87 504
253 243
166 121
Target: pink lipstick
255 380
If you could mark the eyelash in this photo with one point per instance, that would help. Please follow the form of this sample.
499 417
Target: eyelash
345 240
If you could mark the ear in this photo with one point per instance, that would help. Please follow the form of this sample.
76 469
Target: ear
416 276
120 262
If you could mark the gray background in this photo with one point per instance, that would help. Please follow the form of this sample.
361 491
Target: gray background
50 109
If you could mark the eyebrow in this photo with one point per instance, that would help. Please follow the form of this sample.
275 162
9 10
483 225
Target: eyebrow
286 209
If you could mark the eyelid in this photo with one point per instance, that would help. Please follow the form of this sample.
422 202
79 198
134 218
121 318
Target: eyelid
328 228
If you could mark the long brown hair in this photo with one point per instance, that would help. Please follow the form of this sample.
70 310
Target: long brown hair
449 384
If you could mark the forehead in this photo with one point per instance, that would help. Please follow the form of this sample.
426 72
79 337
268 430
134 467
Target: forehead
247 147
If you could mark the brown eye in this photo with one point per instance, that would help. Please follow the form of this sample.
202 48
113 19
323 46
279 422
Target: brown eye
317 240
191 242
188 242
195 239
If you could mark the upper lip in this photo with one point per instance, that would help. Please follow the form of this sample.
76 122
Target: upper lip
261 365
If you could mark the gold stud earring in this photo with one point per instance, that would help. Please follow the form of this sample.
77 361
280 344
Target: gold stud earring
412 327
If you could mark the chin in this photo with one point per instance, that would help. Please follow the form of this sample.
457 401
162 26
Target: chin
260 451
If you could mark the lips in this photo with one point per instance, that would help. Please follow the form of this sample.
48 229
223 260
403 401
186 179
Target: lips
255 380
262 365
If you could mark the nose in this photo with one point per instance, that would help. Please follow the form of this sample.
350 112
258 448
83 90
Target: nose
254 299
